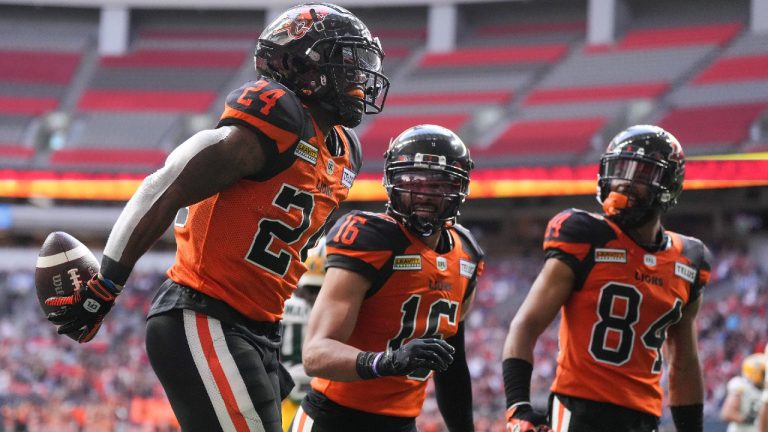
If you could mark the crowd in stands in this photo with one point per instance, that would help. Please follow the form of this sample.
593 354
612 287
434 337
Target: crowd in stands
51 383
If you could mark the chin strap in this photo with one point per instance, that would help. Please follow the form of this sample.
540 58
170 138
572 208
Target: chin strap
422 228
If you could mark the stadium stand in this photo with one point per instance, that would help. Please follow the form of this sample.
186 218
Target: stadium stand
536 141
712 128
37 66
664 37
130 113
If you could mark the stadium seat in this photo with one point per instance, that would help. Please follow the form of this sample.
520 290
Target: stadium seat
198 34
38 66
595 93
494 56
745 68
26 105
500 96
716 127
15 153
176 59
577 26
555 137
149 158
653 38
144 100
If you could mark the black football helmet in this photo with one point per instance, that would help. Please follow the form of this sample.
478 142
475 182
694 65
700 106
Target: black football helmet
323 52
641 154
422 163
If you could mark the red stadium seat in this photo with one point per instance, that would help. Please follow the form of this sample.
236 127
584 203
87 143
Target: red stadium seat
486 56
595 93
38 66
651 38
199 34
375 139
531 28
27 105
752 67
540 137
145 100
721 124
176 59
400 33
15 152
454 98
112 157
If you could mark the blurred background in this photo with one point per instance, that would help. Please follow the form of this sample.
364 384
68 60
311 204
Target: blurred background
94 94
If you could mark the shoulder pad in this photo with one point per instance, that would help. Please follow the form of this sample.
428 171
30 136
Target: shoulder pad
355 149
469 242
358 230
700 257
695 250
575 231
363 242
578 226
736 384
267 106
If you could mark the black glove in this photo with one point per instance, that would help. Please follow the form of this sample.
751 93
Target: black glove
82 312
434 354
521 417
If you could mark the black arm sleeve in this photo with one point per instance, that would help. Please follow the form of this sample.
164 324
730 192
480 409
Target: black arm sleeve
453 388
688 418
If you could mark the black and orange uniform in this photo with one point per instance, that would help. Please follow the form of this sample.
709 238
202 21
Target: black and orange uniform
415 292
615 321
236 247
240 254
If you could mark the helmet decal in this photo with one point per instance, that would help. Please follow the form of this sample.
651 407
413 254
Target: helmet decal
302 23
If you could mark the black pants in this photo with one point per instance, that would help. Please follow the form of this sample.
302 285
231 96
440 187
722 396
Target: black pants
317 413
216 376
573 414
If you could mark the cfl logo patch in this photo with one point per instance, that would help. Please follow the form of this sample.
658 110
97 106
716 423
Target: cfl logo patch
91 305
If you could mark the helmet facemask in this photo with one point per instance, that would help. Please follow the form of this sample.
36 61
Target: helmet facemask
425 196
644 195
350 81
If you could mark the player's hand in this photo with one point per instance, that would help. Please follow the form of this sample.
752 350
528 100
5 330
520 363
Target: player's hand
81 313
434 354
522 418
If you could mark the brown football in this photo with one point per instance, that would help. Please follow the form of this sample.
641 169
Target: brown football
62 264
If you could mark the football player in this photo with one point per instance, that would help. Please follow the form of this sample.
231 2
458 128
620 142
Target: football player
398 286
247 200
625 287
762 416
294 327
742 402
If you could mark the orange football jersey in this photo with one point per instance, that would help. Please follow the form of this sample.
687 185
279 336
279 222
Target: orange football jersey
245 245
416 292
615 322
